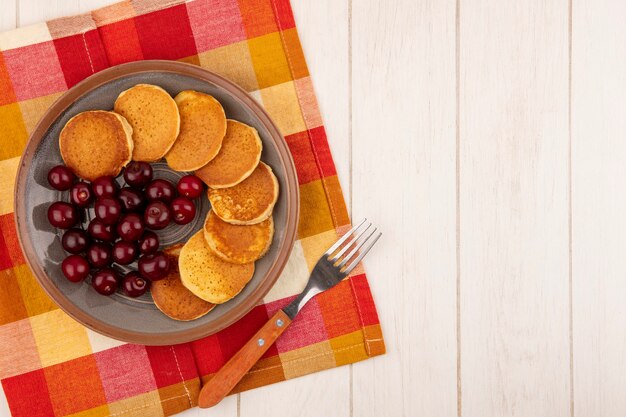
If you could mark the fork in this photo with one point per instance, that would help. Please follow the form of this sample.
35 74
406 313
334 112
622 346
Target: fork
329 270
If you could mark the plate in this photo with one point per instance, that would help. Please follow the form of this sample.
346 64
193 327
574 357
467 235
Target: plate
118 316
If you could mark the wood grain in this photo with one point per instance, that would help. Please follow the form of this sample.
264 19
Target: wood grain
86 6
8 15
37 11
404 180
599 207
514 260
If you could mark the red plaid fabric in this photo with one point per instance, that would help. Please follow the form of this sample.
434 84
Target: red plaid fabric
52 366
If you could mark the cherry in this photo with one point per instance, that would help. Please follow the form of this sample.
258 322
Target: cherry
101 231
104 186
130 227
75 240
81 194
108 210
105 281
62 215
154 266
161 190
184 210
61 177
124 252
131 199
149 243
190 186
75 268
138 174
99 254
157 215
134 284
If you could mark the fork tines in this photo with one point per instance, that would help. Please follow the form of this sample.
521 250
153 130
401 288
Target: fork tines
353 239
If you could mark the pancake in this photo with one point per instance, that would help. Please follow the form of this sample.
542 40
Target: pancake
238 244
153 115
207 275
239 155
202 129
96 143
172 298
249 202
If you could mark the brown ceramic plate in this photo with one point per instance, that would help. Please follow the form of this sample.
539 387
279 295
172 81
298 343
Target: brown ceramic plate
120 317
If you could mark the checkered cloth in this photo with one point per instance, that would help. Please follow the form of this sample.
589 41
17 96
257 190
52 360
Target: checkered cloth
52 366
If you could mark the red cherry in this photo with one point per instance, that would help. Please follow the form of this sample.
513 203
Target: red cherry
134 284
104 186
75 240
190 186
99 255
157 215
101 231
124 252
161 190
130 227
75 268
155 266
62 215
108 210
138 174
149 243
81 194
131 199
184 210
61 177
105 281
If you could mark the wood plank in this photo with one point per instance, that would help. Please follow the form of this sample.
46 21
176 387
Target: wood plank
321 394
323 29
37 11
4 405
404 180
89 5
598 207
514 207
8 15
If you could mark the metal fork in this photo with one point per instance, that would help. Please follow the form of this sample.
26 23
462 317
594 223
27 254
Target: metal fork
336 263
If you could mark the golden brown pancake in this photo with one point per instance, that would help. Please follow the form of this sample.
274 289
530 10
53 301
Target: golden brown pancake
202 129
96 143
207 275
235 243
249 202
153 115
238 157
172 298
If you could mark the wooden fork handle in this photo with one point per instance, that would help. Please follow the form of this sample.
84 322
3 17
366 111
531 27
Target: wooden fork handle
231 373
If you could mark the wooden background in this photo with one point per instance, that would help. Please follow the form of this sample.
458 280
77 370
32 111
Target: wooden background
487 138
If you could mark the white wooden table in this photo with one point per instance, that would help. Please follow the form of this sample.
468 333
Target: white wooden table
487 138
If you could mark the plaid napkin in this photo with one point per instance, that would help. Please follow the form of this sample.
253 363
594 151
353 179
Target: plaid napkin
52 366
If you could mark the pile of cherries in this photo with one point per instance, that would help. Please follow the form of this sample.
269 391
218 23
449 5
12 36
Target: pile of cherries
119 231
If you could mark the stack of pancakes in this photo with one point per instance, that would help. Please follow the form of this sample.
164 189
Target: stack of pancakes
192 133
218 261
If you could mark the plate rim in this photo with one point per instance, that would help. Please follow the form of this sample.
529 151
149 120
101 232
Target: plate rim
105 76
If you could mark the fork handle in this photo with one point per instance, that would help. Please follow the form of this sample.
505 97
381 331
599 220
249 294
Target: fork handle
234 370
